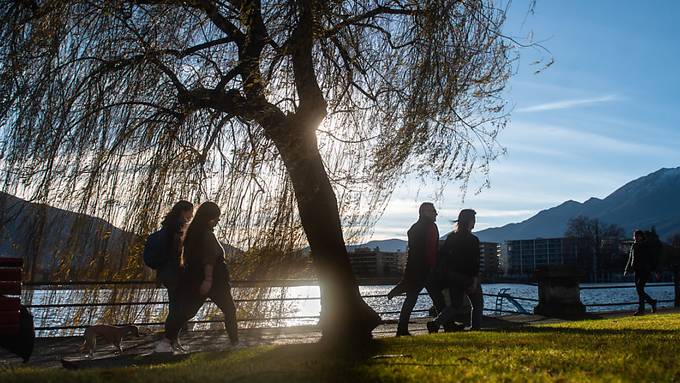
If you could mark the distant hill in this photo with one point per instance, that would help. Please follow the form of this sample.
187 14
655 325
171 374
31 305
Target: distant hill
652 200
387 245
51 239
54 240
77 242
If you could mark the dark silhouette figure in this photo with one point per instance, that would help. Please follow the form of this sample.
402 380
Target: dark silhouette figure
423 244
458 270
22 342
168 274
205 274
643 262
17 333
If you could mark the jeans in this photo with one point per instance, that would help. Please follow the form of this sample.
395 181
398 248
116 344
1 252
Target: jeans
411 299
457 298
173 307
641 278
190 301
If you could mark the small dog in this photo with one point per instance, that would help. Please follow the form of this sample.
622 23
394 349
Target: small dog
112 334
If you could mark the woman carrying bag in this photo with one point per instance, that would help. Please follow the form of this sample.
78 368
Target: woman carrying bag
205 273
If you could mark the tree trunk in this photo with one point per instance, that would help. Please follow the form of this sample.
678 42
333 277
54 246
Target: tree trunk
344 314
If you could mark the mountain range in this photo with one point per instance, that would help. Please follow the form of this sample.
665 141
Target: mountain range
55 240
388 245
63 239
649 201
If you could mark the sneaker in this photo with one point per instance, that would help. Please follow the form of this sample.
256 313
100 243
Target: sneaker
638 313
164 346
653 306
178 347
432 327
403 333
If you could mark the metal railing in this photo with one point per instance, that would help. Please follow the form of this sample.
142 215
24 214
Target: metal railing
253 319
268 283
626 286
235 283
500 297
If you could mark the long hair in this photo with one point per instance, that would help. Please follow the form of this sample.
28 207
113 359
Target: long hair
173 215
464 221
206 212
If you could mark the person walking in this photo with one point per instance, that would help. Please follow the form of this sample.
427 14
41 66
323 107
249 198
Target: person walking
643 263
168 274
458 269
423 245
205 273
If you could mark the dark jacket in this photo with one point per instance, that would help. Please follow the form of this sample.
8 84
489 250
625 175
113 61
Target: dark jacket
641 258
200 251
169 273
459 254
417 270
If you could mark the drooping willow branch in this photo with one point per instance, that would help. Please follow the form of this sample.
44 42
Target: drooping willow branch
118 108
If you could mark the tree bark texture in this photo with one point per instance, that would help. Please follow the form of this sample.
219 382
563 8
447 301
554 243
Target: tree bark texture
344 314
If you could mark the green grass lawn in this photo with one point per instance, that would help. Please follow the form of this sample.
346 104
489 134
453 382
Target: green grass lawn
625 349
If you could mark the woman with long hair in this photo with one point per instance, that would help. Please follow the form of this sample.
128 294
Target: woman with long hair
173 225
205 273
458 267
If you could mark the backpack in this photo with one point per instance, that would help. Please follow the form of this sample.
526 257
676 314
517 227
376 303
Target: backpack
155 249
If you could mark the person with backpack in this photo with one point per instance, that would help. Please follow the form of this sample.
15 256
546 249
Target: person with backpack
458 270
163 252
205 274
642 259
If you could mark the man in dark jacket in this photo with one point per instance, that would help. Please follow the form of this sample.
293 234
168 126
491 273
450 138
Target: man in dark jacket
643 262
423 244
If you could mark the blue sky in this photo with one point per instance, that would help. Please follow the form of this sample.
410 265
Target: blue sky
605 113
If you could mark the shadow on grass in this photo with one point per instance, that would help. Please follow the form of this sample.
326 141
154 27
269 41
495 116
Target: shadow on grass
307 362
122 361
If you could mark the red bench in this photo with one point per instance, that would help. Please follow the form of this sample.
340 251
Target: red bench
17 333
10 295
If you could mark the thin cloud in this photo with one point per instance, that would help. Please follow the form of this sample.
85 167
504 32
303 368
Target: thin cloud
568 104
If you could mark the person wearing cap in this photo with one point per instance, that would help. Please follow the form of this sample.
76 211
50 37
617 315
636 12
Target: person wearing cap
423 245
458 269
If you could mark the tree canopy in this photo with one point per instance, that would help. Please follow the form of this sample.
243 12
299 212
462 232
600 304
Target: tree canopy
592 229
298 117
117 108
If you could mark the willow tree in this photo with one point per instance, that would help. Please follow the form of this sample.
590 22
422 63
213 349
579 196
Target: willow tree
297 116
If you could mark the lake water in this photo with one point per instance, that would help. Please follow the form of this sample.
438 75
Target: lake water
289 306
